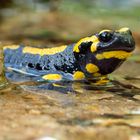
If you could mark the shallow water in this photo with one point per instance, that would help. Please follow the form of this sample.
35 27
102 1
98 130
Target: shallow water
32 113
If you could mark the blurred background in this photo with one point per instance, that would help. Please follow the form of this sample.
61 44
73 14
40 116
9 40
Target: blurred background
49 22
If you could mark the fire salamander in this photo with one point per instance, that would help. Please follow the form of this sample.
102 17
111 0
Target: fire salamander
97 55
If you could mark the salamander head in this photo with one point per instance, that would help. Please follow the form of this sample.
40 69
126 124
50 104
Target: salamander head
103 52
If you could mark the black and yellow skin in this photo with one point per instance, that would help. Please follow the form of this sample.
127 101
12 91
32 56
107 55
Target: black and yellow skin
90 57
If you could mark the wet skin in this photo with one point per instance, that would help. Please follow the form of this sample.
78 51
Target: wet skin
90 57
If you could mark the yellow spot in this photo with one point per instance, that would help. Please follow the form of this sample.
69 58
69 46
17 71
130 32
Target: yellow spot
57 85
123 29
102 82
105 30
91 68
46 51
94 46
12 47
87 39
113 54
97 74
78 75
104 77
55 77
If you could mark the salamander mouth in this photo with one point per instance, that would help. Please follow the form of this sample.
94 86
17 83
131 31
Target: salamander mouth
126 48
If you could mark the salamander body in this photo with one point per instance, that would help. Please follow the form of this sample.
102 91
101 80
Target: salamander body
97 55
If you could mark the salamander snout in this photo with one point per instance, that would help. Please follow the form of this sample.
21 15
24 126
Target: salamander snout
127 39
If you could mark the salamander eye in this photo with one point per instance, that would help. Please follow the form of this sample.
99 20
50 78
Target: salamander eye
105 36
